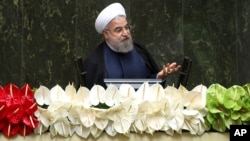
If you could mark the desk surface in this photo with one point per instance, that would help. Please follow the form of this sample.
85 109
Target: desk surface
158 136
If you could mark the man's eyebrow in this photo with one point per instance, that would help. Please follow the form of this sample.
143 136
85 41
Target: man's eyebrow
122 26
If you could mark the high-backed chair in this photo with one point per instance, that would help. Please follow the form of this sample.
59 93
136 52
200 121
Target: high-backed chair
184 72
79 71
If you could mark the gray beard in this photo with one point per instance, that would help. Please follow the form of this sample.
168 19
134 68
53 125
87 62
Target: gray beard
123 47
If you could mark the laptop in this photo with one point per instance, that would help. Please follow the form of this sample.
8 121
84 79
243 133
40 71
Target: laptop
135 83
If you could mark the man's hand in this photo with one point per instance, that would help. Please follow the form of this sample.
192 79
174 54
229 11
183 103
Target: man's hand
168 69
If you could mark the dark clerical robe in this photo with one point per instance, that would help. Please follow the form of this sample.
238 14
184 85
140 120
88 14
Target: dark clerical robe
105 63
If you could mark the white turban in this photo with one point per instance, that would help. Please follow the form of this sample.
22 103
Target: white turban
108 14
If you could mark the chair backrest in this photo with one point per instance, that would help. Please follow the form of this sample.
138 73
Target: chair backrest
184 73
79 71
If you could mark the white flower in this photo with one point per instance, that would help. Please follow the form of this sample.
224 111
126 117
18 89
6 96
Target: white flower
82 97
82 131
42 96
96 95
156 92
143 93
126 92
112 96
122 116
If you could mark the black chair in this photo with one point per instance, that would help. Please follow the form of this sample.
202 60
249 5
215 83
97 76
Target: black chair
79 71
184 72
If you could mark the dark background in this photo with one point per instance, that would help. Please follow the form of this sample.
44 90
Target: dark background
39 39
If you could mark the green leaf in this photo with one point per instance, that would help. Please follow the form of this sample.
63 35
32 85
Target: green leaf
247 88
207 125
210 117
233 122
235 115
232 98
245 114
212 106
219 124
216 91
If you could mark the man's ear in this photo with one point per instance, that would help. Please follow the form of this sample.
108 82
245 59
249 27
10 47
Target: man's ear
105 34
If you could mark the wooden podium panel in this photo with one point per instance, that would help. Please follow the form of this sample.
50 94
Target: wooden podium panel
158 136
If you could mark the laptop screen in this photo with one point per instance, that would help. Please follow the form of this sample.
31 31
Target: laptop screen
135 83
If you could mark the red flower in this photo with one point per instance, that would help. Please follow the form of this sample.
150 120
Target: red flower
10 130
3 111
17 108
25 130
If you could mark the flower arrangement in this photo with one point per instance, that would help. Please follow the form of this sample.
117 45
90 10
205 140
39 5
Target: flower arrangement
227 106
17 108
124 110
146 110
